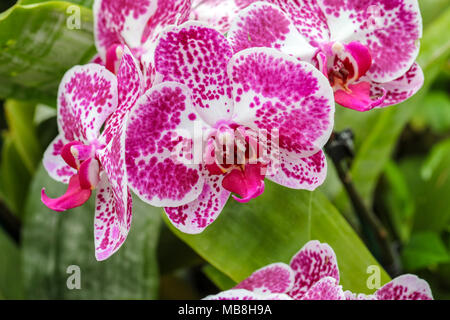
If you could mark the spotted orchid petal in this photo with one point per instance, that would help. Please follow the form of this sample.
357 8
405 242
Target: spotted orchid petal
55 165
242 294
400 89
87 95
200 64
112 156
307 17
326 288
274 278
405 287
159 126
274 91
75 196
217 13
300 173
265 25
195 216
109 233
390 29
133 22
361 296
313 262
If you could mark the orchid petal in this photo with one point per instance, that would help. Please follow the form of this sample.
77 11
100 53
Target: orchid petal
89 174
248 184
159 126
313 262
265 25
75 196
197 56
325 289
274 278
130 86
195 216
307 17
235 294
359 97
400 89
405 287
55 165
87 95
302 173
218 13
120 22
109 234
167 12
274 91
390 29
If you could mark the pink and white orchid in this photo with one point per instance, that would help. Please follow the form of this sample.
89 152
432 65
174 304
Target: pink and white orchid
91 97
313 274
136 24
366 49
229 98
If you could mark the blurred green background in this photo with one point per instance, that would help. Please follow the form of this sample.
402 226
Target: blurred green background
400 167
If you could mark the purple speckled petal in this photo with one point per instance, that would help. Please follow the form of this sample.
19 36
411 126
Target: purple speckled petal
109 234
405 287
274 91
120 22
130 86
235 294
195 216
400 89
197 56
274 278
87 95
313 262
55 165
112 156
300 173
325 289
159 127
265 25
217 13
167 12
390 29
353 296
307 17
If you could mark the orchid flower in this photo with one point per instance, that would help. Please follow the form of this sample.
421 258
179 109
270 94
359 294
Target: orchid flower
229 99
135 24
90 97
366 49
313 274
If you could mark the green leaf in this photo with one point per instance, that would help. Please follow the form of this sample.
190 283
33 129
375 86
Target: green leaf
400 201
37 47
434 112
20 117
273 227
10 269
14 176
85 3
424 250
218 278
53 241
433 211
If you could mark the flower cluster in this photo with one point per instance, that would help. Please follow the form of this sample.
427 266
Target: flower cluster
313 274
186 116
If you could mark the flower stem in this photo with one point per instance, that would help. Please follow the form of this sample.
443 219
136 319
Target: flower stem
338 148
10 223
